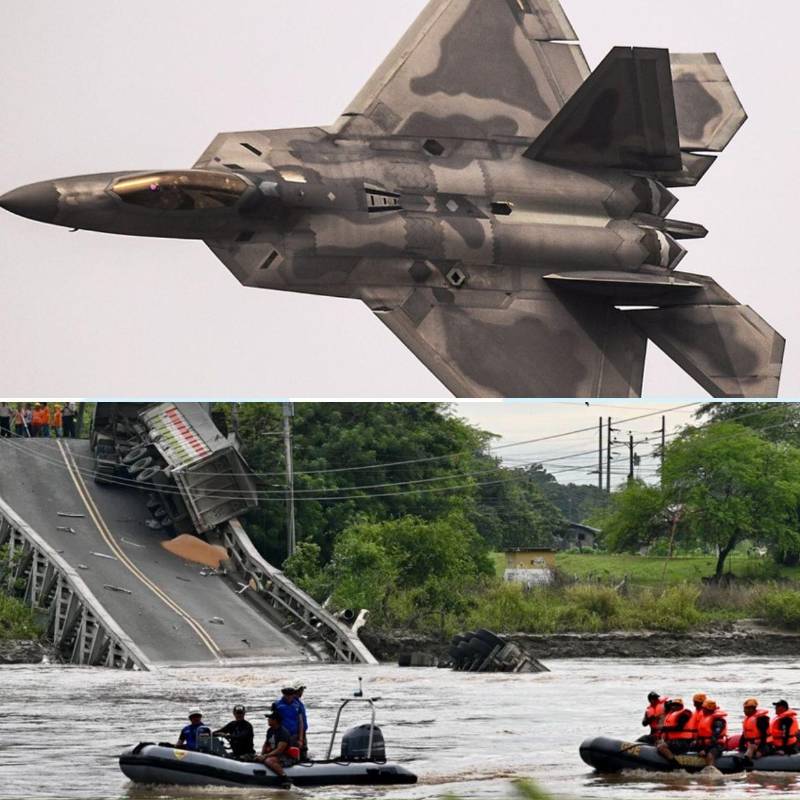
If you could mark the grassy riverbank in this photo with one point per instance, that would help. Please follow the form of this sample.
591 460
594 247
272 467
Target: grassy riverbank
17 620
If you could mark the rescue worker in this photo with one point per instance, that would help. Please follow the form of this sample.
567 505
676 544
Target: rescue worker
274 752
58 422
45 431
755 730
697 702
188 735
654 717
36 421
239 733
289 709
677 738
711 732
783 730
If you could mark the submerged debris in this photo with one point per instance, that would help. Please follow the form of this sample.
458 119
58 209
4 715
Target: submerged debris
104 555
66 530
70 514
217 621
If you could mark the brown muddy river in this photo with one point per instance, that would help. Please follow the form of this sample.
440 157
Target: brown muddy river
61 728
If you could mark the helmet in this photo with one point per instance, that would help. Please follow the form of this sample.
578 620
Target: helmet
194 711
240 709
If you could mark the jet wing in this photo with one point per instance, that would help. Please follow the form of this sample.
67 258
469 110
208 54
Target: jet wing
478 69
541 345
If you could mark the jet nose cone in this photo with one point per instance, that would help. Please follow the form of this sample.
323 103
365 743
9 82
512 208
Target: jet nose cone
37 201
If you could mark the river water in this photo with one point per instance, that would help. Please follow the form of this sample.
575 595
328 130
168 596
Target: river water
62 727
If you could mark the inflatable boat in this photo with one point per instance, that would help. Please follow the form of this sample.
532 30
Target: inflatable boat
613 755
361 761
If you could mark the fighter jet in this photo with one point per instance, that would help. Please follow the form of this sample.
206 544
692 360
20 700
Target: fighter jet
500 207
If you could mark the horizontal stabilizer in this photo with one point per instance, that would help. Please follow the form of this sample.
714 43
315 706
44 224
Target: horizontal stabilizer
623 288
622 117
709 112
728 349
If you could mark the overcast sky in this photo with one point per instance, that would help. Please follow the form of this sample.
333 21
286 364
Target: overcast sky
564 435
94 87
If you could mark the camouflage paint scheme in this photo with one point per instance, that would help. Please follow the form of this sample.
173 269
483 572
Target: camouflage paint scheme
488 199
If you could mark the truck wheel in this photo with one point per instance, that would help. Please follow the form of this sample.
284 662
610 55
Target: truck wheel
140 451
148 473
141 464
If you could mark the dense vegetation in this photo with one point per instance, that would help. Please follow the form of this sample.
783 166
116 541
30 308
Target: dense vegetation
400 508
17 620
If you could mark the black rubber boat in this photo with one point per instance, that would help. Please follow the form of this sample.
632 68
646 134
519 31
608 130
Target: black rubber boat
361 761
613 755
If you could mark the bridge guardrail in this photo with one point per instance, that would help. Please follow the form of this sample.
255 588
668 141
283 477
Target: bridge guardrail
311 620
77 624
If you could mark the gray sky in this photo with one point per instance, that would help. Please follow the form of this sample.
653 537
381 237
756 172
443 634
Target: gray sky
95 87
573 458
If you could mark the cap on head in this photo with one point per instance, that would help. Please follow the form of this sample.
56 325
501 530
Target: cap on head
239 709
653 696
751 702
781 703
710 705
195 712
290 688
274 715
676 701
700 697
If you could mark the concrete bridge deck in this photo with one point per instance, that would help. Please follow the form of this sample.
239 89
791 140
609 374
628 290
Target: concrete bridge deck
170 605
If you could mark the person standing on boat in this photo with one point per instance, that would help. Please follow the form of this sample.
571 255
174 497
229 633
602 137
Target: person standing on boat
783 730
755 730
240 734
274 752
291 711
654 717
712 732
188 735
677 738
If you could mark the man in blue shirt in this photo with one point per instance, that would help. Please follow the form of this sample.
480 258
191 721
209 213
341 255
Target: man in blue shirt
188 736
300 687
290 710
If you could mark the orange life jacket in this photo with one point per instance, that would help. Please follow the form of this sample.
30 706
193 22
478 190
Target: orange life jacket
705 734
671 732
750 732
654 713
694 721
57 419
777 736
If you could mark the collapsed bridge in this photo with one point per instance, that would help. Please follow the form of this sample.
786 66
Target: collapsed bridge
82 529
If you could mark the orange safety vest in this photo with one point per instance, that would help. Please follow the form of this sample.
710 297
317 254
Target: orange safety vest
694 722
654 714
672 732
750 732
777 736
705 734
57 421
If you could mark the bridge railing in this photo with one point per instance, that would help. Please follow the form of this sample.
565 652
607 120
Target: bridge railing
78 625
306 616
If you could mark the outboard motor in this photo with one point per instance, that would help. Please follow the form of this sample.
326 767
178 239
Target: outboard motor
355 744
205 741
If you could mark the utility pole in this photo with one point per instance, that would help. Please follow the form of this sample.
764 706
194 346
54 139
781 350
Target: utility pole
663 444
600 454
608 458
288 413
630 469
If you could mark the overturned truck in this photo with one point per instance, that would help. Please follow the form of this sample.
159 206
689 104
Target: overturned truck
178 453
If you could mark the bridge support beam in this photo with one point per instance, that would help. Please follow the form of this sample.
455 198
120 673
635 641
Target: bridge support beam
77 623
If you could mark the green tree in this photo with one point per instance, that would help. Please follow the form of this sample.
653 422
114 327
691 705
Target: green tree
637 515
775 422
733 484
407 569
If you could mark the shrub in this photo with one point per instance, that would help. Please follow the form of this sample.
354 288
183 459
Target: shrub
781 608
17 620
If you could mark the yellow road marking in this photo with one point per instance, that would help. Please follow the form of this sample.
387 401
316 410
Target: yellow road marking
120 554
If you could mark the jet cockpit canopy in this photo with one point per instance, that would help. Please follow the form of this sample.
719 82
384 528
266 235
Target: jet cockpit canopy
191 190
